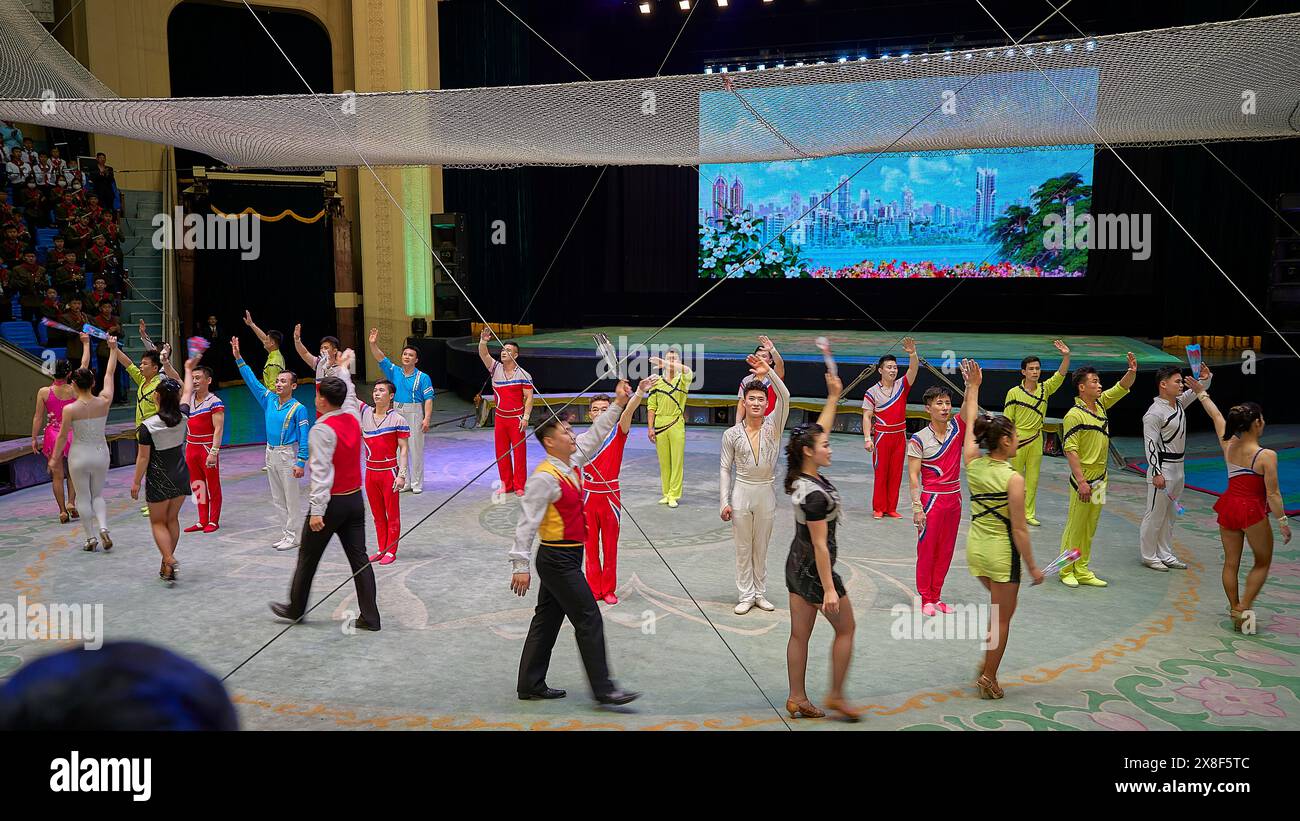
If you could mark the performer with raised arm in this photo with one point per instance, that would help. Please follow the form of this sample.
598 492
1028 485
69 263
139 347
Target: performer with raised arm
287 430
334 506
160 466
1086 441
274 356
552 508
603 500
1026 407
50 402
750 450
206 415
998 540
666 422
413 401
884 428
775 364
155 365
810 575
934 476
88 457
1253 491
1164 435
384 436
513 387
333 361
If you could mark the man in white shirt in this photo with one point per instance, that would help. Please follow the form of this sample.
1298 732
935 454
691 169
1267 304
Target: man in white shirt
1164 438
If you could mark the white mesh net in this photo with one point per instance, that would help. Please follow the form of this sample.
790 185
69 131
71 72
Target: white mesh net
1236 80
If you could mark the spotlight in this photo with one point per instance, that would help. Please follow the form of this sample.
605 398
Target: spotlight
684 5
842 60
645 8
762 66
722 4
708 69
968 56
742 68
798 64
1069 46
780 65
1029 52
1011 52
885 56
723 69
1049 49
1092 44
862 59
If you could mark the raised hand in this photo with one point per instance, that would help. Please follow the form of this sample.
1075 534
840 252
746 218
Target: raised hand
1205 372
834 387
191 363
1194 384
297 332
485 334
970 371
1061 346
766 343
374 335
1132 361
112 343
758 365
234 346
909 346
248 319
643 387
143 330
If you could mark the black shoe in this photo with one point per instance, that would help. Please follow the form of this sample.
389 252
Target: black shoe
283 611
362 624
546 693
618 697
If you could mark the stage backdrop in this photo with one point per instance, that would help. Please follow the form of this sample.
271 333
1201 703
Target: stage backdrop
291 280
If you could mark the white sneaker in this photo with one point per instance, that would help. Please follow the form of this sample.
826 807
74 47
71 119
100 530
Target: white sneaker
1156 565
285 544
264 468
417 490
744 607
764 604
1176 564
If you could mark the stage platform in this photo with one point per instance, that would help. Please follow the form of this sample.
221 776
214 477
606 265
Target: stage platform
565 362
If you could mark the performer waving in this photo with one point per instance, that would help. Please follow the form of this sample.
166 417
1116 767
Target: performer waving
1164 434
884 427
513 387
934 475
603 501
206 415
413 400
666 422
384 437
552 507
751 448
333 361
1026 407
1086 441
776 365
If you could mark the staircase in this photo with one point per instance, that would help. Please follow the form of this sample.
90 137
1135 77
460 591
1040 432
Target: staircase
145 299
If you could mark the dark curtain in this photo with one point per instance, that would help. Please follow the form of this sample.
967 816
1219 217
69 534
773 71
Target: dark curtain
291 281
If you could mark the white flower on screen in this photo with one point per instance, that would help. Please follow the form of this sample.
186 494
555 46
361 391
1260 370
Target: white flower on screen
707 243
736 221
772 255
751 266
724 242
733 268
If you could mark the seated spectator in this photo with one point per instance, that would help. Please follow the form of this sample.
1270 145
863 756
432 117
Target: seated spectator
123 685
74 317
33 204
58 165
53 256
51 307
12 247
29 281
77 232
99 294
69 277
16 169
29 154
8 216
100 257
42 172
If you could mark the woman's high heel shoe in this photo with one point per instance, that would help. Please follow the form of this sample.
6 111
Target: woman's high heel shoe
849 714
64 518
89 546
804 709
72 511
989 688
168 572
103 537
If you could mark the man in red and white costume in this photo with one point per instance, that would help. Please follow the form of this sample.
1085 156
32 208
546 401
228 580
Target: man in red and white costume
204 429
385 434
884 427
602 501
513 387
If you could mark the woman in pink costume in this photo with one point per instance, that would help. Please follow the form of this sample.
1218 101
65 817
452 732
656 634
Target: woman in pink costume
50 402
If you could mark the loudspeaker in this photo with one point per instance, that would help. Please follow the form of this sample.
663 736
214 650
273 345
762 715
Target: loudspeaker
451 252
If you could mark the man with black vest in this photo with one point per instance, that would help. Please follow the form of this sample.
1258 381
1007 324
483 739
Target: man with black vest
334 506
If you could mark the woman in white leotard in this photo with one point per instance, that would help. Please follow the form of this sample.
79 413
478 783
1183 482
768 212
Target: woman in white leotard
88 457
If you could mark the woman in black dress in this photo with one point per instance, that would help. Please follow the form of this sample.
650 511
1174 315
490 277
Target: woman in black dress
160 463
809 575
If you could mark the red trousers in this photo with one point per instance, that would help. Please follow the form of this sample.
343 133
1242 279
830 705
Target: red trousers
887 458
935 543
384 507
513 468
603 511
205 482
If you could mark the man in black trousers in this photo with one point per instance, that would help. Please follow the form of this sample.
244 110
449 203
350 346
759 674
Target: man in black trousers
334 505
552 509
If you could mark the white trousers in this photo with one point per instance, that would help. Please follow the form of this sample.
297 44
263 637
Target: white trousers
284 489
413 413
753 508
1157 533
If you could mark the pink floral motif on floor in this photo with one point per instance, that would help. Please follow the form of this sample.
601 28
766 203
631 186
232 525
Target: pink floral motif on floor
1225 699
1285 625
1116 721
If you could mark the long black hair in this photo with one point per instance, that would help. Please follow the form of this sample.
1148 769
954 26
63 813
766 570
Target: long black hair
169 402
989 431
803 436
1240 418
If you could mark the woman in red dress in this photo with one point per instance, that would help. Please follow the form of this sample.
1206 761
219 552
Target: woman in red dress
1243 509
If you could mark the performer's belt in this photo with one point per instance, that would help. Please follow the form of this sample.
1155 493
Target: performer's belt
1024 442
270 446
515 413
1088 479
600 485
562 543
200 439
381 464
400 406
953 487
756 482
1169 456
891 427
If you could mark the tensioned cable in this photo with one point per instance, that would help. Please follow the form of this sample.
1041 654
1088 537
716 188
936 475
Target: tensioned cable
1101 139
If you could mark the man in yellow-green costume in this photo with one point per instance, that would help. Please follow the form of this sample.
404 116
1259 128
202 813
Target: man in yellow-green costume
1026 407
666 417
1086 440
